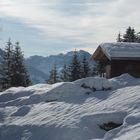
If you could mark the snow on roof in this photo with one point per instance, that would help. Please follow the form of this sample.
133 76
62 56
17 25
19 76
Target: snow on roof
121 50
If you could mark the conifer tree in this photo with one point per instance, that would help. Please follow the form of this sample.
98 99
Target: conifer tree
6 66
20 76
130 35
85 68
53 78
119 39
13 72
74 68
64 73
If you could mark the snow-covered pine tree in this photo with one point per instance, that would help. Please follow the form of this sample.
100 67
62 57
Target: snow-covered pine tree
119 39
130 35
53 78
6 66
64 74
74 69
20 76
85 70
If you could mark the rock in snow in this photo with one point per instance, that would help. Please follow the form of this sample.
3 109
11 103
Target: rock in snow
72 110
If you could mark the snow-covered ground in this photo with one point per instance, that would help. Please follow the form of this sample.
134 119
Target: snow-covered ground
72 110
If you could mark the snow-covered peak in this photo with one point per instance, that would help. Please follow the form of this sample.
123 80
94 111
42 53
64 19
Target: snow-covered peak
45 64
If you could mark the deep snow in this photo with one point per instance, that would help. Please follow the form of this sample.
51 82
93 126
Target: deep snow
67 111
121 49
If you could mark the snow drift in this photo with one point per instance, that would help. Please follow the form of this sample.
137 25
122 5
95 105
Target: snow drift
72 110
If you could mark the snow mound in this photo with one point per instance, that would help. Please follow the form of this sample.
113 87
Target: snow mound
93 122
22 111
123 81
96 83
64 111
129 130
105 117
132 119
63 91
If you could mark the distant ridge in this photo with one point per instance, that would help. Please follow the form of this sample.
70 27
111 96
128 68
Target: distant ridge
39 67
44 64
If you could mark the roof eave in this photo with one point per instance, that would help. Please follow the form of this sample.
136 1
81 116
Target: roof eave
125 58
105 52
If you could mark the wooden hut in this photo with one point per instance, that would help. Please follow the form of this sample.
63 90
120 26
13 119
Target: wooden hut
119 58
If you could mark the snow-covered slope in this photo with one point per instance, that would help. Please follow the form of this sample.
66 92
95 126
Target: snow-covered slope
45 64
72 110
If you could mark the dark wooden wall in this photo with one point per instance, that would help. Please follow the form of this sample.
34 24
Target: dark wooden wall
119 67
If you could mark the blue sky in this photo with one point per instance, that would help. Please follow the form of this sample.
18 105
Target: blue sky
46 27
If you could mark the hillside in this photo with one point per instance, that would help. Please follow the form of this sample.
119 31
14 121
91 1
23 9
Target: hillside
44 64
39 67
79 110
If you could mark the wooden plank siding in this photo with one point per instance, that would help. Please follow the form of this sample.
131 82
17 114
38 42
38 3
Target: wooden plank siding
119 67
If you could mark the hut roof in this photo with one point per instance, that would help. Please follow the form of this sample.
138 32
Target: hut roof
121 50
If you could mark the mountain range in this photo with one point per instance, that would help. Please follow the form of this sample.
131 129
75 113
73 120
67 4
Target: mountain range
39 67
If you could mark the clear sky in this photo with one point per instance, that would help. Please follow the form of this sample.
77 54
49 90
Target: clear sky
46 27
